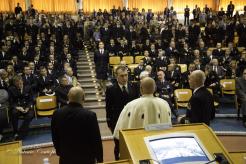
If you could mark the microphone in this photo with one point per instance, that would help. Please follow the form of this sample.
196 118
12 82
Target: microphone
220 158
217 159
147 161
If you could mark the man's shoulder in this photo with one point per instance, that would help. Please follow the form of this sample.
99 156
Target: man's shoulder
78 110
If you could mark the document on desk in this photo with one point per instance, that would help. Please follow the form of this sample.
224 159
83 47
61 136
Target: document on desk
152 127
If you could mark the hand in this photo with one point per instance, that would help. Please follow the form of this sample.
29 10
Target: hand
180 118
20 109
26 110
213 84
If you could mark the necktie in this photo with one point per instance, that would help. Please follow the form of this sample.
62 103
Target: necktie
124 91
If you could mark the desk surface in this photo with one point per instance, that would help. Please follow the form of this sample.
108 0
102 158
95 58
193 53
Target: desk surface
132 145
238 157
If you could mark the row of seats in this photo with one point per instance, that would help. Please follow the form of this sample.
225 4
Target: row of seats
44 106
132 62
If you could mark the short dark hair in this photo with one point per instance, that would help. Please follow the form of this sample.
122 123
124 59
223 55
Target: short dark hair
121 67
16 78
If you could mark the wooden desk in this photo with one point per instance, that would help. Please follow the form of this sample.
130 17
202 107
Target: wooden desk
11 153
132 145
238 157
118 162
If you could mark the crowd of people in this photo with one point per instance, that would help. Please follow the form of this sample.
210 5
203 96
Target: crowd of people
39 53
38 57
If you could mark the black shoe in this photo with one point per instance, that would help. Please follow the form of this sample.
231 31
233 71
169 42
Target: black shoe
17 137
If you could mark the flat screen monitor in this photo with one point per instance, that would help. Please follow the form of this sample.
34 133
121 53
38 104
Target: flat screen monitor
177 148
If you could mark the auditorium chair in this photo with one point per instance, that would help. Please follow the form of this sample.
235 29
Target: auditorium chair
228 87
183 67
182 97
128 59
216 104
114 61
45 106
138 59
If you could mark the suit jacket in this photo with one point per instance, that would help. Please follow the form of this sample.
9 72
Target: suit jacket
241 88
220 71
61 94
101 62
76 135
49 83
202 106
137 72
115 102
18 98
31 81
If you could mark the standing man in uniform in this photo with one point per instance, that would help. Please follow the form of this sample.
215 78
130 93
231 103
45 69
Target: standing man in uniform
101 59
117 96
186 15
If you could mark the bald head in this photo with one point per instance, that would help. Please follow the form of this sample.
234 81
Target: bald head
147 86
76 95
197 79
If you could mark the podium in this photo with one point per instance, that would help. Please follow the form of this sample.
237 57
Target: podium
134 148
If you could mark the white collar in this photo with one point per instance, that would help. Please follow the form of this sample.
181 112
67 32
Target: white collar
197 89
122 86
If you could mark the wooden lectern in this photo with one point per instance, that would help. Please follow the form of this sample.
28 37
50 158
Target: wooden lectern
133 147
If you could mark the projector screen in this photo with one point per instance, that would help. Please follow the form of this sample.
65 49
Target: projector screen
177 148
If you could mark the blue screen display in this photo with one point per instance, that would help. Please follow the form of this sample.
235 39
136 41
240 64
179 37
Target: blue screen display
178 150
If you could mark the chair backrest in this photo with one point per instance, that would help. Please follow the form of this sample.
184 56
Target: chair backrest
182 95
10 153
114 60
183 67
138 59
45 105
128 59
228 84
132 66
210 90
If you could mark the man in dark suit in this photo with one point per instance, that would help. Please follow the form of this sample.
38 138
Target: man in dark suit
138 70
28 78
75 132
46 83
186 15
201 104
241 92
230 9
62 91
117 96
3 110
18 9
101 60
4 56
164 90
21 102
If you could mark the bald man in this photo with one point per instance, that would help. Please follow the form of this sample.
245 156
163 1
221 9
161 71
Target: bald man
144 110
75 132
201 103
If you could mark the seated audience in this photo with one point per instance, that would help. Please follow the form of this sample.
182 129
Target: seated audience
21 105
